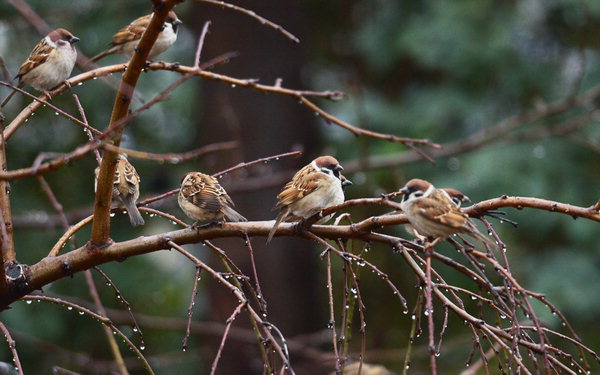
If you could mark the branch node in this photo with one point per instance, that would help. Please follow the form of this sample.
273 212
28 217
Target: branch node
67 268
94 246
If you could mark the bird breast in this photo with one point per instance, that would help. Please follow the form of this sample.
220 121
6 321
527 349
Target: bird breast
53 71
329 193
165 39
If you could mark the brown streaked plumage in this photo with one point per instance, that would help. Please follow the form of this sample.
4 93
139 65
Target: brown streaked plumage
203 199
126 39
433 214
126 189
457 197
313 188
49 64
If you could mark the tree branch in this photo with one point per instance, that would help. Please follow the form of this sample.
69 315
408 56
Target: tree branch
8 247
102 204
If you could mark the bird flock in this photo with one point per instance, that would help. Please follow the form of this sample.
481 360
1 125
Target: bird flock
434 214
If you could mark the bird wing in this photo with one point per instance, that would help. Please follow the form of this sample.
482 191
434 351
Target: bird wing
304 182
442 210
204 191
38 56
131 178
133 31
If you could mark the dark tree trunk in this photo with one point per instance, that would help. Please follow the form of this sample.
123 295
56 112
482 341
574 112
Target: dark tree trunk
265 125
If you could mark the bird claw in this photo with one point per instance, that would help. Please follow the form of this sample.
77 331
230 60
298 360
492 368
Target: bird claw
300 227
47 95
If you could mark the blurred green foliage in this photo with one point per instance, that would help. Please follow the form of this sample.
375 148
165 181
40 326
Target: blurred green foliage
433 69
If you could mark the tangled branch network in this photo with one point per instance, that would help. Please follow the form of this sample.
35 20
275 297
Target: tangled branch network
505 327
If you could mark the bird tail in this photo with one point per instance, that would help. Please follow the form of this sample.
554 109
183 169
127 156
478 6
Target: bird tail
277 222
135 218
232 215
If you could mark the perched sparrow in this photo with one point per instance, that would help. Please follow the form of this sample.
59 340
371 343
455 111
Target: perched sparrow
312 189
204 200
126 40
345 182
433 214
456 196
49 64
126 189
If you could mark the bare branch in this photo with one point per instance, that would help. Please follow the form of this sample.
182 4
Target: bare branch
253 14
101 223
12 347
174 158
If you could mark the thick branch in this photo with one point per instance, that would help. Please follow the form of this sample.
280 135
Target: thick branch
480 208
102 203
6 232
50 269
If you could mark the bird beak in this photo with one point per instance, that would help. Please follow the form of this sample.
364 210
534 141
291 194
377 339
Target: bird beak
177 22
404 191
338 168
466 199
346 182
73 40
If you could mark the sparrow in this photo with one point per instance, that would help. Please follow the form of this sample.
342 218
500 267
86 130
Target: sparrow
456 196
126 189
49 64
345 182
125 41
203 199
313 188
434 215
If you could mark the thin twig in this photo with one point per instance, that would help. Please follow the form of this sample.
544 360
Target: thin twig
253 14
174 158
229 321
102 319
190 310
53 107
259 293
114 347
13 348
257 161
201 44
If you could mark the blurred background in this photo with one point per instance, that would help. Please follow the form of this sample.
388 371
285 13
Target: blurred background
441 70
